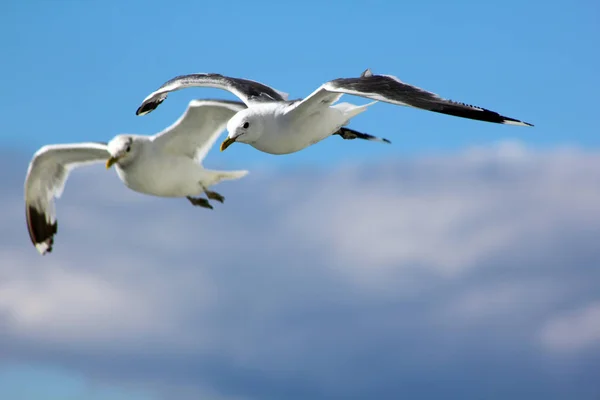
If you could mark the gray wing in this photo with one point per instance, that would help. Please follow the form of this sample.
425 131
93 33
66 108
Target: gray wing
247 90
48 171
390 89
196 131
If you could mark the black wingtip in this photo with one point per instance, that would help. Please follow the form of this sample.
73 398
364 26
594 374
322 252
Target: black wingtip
40 231
148 106
512 121
477 113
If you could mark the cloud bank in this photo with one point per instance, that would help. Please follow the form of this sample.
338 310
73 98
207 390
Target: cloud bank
474 274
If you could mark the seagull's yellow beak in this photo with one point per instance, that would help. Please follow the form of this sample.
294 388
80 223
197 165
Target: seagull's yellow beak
111 161
226 143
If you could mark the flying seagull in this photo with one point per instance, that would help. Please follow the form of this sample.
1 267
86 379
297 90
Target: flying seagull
273 124
168 164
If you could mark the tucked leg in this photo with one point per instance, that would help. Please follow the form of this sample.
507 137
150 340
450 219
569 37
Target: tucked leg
214 196
349 134
199 202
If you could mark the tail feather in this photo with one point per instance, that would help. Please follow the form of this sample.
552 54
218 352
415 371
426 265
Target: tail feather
218 176
352 110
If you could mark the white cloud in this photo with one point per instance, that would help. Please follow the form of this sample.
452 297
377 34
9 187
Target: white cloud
574 331
494 300
304 280
72 306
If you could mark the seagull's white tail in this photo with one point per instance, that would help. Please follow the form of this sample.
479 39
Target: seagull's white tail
352 110
218 176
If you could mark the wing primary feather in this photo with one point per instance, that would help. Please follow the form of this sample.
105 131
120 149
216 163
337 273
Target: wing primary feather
40 230
390 89
247 90
46 177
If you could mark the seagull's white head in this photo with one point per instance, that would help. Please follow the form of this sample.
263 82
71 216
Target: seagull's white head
246 127
122 149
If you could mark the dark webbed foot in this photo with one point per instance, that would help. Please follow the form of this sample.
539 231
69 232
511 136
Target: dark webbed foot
199 202
350 134
214 196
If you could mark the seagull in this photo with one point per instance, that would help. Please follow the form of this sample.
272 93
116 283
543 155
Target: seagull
168 164
273 124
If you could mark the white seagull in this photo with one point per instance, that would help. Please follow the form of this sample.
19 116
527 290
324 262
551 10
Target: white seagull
168 164
273 124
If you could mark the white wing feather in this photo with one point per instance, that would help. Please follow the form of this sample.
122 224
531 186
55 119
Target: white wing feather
46 177
195 132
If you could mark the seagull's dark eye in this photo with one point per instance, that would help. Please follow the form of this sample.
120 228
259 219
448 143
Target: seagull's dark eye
128 149
246 125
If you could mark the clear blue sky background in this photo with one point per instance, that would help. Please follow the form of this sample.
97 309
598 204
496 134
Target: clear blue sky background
74 71
77 70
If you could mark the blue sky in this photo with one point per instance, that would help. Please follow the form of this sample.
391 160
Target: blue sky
75 71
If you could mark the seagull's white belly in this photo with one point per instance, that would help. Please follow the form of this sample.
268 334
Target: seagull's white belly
295 136
164 177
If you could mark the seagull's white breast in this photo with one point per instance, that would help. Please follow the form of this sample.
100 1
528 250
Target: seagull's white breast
165 175
284 135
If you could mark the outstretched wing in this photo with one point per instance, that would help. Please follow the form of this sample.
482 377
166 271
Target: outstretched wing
48 171
196 131
247 90
390 89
